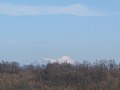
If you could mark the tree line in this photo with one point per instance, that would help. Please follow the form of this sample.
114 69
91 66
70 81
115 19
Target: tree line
100 75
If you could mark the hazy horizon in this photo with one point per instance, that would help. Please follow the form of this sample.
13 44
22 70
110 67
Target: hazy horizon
80 29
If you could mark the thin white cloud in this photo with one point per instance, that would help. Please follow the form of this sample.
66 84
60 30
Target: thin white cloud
22 10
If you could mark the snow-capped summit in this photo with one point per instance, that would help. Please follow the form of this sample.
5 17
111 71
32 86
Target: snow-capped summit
63 59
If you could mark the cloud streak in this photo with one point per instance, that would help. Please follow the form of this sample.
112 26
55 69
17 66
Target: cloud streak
22 10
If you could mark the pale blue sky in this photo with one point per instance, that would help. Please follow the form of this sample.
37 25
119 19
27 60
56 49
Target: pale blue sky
26 34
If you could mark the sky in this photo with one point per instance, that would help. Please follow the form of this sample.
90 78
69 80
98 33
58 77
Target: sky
81 29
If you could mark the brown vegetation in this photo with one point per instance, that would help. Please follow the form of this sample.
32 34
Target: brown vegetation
102 75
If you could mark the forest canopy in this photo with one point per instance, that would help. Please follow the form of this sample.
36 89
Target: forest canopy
100 75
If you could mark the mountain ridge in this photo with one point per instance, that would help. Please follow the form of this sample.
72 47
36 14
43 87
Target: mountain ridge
45 61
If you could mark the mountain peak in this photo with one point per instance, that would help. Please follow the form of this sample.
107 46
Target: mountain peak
63 59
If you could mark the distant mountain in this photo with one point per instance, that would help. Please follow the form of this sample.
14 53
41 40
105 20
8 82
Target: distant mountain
45 61
65 59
